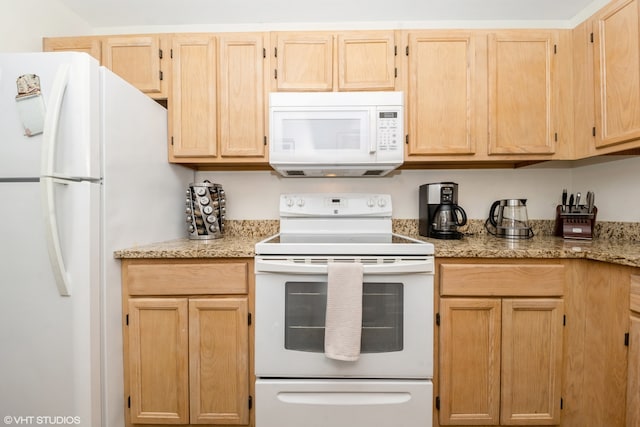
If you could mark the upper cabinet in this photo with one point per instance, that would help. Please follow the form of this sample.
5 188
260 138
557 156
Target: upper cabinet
616 53
522 92
487 96
334 61
138 60
444 93
217 104
90 45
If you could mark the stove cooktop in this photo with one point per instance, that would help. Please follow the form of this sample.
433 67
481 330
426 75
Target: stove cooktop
343 244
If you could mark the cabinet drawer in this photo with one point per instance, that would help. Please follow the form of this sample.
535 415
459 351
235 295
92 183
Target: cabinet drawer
186 278
502 280
634 301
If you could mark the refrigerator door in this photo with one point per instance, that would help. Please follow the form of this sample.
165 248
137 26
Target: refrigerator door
50 348
72 115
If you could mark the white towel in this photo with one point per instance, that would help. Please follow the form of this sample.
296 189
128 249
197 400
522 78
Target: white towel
343 322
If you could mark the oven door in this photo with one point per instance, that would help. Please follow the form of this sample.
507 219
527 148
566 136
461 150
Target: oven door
397 311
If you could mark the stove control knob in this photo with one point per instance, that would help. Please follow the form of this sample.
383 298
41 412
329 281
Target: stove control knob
290 202
211 219
371 202
204 200
207 210
382 203
300 203
201 191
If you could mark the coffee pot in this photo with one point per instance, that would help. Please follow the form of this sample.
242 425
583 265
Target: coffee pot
439 213
508 219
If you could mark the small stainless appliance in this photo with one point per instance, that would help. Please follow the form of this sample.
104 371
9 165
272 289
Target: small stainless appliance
205 210
508 219
439 213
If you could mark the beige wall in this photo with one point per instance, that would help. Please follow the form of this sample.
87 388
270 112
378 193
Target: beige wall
24 23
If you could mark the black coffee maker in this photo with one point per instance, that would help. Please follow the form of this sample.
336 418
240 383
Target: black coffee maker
439 213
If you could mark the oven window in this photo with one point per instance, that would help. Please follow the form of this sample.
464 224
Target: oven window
382 316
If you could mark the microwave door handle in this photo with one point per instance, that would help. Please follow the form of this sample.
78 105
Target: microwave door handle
373 133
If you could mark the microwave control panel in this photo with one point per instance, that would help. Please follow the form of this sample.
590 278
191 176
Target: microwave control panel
389 130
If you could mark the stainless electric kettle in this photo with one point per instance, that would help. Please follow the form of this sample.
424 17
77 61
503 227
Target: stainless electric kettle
508 218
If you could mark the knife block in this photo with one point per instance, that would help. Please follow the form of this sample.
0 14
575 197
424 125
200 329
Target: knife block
576 223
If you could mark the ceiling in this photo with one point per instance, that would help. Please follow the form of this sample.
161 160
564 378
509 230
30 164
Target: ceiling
118 13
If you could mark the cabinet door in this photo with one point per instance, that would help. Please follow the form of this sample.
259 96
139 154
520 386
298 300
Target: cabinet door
137 59
241 96
90 45
158 367
522 92
469 361
633 383
192 110
617 73
219 361
304 61
443 99
366 61
531 361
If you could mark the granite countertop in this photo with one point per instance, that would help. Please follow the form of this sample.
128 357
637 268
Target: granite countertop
475 244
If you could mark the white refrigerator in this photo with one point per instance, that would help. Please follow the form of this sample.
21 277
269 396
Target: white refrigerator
96 179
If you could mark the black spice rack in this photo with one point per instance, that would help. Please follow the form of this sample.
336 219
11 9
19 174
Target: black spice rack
575 222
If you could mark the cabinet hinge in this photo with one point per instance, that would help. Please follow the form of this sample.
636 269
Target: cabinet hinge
438 403
406 51
250 402
264 52
593 131
161 75
591 36
160 53
561 403
249 319
275 52
626 339
129 402
438 319
126 319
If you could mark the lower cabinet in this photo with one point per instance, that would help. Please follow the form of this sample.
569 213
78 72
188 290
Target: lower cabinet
187 342
633 378
501 342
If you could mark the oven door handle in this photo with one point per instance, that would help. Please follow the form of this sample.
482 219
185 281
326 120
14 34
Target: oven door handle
291 267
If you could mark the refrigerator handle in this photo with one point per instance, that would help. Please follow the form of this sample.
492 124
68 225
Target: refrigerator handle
53 237
52 120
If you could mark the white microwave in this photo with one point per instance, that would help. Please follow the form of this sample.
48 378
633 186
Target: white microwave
318 134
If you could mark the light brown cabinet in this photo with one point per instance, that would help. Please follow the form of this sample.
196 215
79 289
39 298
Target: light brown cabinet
445 89
522 92
139 60
334 61
88 44
616 53
486 96
187 342
501 343
217 105
633 364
